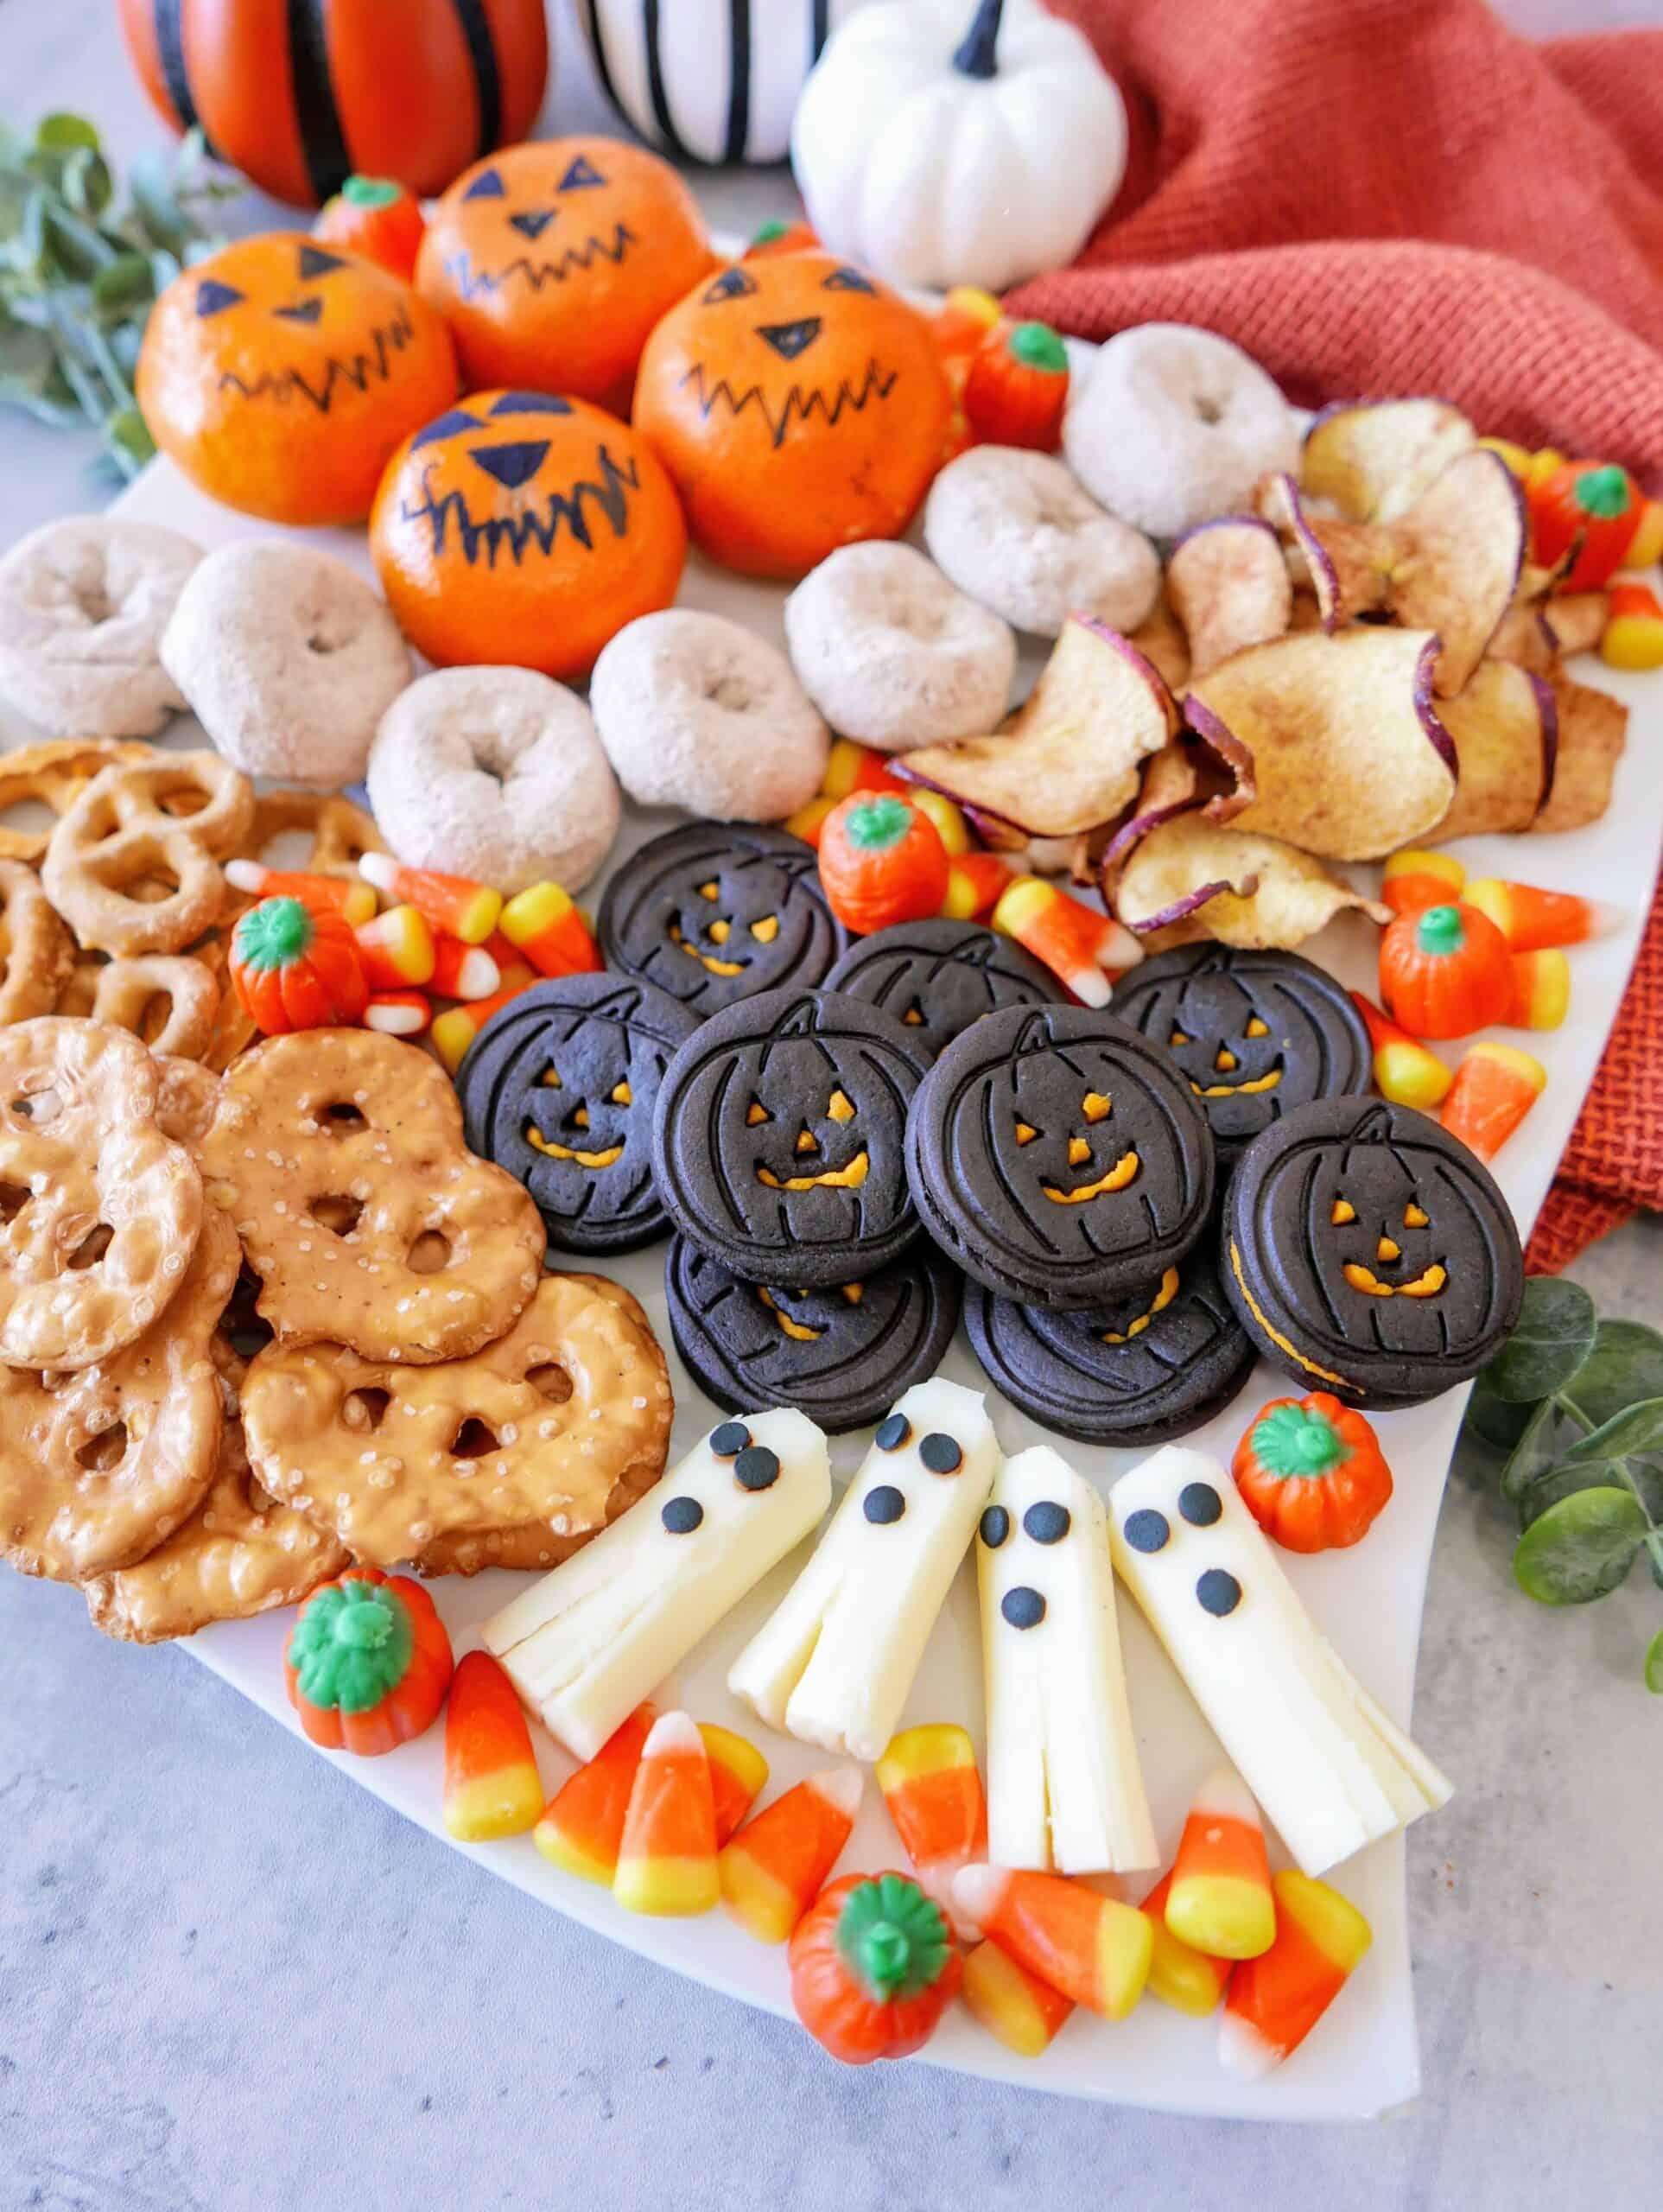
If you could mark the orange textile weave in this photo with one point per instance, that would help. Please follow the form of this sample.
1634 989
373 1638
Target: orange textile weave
1405 196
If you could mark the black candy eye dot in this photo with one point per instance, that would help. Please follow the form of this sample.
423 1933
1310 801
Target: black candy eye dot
1200 1504
730 1439
1219 1593
682 1515
756 1468
892 1432
995 1526
940 1453
1147 1530
1022 1607
883 1504
1046 1523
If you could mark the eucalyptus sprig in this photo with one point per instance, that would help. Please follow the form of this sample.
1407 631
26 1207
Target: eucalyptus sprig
78 279
1571 1409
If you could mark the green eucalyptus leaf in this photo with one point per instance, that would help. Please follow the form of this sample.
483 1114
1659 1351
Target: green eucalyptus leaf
1536 1451
1625 1364
26 355
65 134
154 206
1558 1481
1554 1334
1580 1549
1636 1428
129 440
126 283
1654 1665
87 183
1499 1422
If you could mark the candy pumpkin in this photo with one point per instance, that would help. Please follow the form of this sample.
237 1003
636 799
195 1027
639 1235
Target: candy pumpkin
300 97
523 529
1311 1473
280 375
296 966
377 218
799 405
367 1662
552 262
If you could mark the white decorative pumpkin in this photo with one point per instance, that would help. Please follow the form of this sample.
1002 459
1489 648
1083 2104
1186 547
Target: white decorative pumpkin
709 80
958 142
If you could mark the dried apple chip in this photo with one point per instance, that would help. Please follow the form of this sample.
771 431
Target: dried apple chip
1374 458
1229 587
1346 564
1527 636
1068 760
1346 753
1189 879
1503 727
1461 551
1577 620
1160 640
1593 729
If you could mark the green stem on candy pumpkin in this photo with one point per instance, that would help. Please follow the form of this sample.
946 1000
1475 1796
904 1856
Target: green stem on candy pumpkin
1602 492
1036 346
351 1646
892 1938
1293 1444
882 823
976 54
370 191
1440 930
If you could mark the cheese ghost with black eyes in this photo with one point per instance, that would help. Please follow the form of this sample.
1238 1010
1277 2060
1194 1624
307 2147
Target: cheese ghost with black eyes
836 1661
1329 1769
1064 1790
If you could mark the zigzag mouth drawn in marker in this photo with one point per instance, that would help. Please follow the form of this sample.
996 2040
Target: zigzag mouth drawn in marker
800 404
373 364
470 281
538 525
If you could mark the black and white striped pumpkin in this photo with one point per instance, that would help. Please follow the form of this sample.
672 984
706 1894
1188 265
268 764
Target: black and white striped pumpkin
709 80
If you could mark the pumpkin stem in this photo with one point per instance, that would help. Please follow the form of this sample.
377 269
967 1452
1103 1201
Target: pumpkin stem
977 55
892 1938
882 823
1603 492
1295 1441
351 1646
1440 930
274 933
370 191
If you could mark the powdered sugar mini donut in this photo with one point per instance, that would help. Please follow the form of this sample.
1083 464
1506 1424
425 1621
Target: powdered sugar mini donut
1171 426
892 654
695 711
83 605
495 773
289 658
1021 535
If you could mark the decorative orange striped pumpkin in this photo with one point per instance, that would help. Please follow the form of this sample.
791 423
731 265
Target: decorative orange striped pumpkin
299 94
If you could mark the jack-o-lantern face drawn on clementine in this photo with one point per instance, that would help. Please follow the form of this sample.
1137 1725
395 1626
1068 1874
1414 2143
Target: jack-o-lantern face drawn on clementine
937 977
1059 1157
1370 1252
841 1355
714 911
560 1089
520 529
281 375
551 261
799 404
778 1140
1256 1033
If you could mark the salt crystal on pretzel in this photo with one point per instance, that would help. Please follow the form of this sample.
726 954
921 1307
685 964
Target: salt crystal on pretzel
37 952
513 1456
119 843
99 1211
338 1153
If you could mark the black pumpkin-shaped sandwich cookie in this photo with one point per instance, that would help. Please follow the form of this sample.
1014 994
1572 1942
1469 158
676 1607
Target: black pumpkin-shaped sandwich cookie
780 1139
841 1355
715 911
559 1088
1059 1157
1256 1033
938 977
1369 1253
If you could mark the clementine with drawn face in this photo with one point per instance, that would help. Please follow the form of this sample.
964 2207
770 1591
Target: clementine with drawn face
799 405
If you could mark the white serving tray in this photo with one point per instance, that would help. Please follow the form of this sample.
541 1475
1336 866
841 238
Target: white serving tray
1363 2059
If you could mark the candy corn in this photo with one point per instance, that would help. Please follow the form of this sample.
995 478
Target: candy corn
491 1787
1646 546
964 318
1413 879
582 1824
463 971
396 948
1276 1999
452 903
546 928
777 1866
1541 990
1218 1897
935 1797
667 1856
974 881
339 893
1532 921
1015 2006
738 1772
1495 1087
1082 949
1542 465
454 1030
1187 1980
398 1013
809 821
950 825
1516 457
852 768
1407 1072
1092 1949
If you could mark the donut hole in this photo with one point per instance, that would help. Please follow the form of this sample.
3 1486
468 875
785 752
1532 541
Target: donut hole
337 1212
14 1197
93 603
365 1409
473 1440
1207 409
430 1254
552 1381
105 1450
92 1247
728 689
341 1119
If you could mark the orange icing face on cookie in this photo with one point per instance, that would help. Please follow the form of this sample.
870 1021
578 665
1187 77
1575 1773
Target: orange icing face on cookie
798 404
280 375
552 262
521 529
